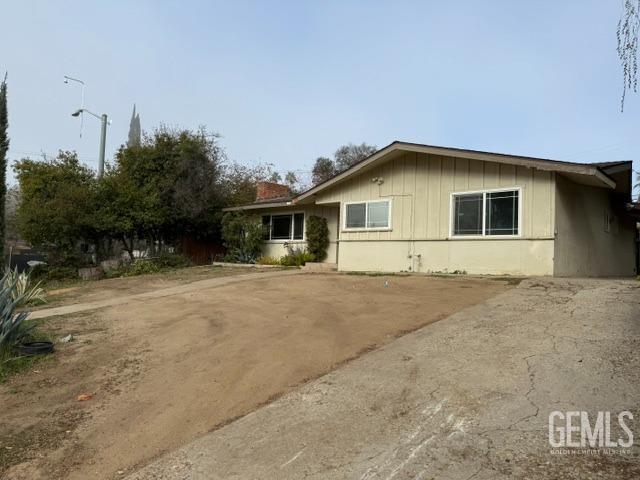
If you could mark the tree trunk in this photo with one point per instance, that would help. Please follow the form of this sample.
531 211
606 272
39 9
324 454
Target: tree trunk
128 248
4 147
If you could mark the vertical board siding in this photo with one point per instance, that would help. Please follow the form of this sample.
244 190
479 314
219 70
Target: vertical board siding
446 187
476 175
420 188
434 197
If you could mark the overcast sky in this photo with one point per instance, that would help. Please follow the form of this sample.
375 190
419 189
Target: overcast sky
286 82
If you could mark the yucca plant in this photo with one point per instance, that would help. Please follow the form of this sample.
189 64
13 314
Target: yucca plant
12 324
22 288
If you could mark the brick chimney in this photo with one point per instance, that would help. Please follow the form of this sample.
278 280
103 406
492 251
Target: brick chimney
270 190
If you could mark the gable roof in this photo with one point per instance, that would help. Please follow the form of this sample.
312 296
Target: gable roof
586 173
595 174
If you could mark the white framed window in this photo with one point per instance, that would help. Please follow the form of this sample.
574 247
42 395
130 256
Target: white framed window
486 213
368 215
283 226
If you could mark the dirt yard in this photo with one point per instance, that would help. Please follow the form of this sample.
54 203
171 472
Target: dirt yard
166 370
77 292
469 397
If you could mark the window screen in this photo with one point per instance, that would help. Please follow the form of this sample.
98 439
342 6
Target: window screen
501 213
356 215
467 217
377 215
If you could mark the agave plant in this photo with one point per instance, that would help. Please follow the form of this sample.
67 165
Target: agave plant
21 282
12 325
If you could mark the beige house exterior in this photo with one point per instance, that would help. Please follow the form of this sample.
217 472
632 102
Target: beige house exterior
421 208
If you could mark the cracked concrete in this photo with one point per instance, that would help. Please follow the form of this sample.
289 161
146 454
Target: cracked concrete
465 398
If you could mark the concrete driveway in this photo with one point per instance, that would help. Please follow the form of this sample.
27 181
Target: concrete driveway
467 397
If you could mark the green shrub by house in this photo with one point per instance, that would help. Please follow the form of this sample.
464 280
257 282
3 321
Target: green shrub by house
172 260
317 237
242 236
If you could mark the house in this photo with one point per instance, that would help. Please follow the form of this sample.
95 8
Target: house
421 208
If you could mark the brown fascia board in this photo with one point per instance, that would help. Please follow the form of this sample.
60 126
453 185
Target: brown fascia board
531 162
615 167
611 164
258 205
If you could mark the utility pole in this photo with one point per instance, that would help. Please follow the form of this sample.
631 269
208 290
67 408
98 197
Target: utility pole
104 121
103 140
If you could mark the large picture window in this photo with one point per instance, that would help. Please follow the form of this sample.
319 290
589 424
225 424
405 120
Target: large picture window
287 226
489 213
372 215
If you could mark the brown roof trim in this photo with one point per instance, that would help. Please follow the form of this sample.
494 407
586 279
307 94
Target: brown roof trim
591 169
611 164
609 168
258 205
274 199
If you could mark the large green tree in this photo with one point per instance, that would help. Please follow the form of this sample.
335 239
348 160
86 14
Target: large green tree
172 182
57 201
122 212
4 147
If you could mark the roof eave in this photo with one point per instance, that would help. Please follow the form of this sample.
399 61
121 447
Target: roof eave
604 178
257 206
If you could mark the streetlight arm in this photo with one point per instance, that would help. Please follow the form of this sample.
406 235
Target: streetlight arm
99 117
67 77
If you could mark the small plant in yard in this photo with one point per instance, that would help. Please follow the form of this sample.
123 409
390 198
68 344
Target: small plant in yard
166 261
317 237
296 257
22 289
139 267
142 267
12 324
266 260
172 260
15 291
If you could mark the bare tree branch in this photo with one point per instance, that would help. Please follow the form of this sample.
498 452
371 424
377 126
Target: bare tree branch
627 34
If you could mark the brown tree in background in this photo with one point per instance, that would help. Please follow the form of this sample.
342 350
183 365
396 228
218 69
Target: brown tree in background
323 170
344 158
348 155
